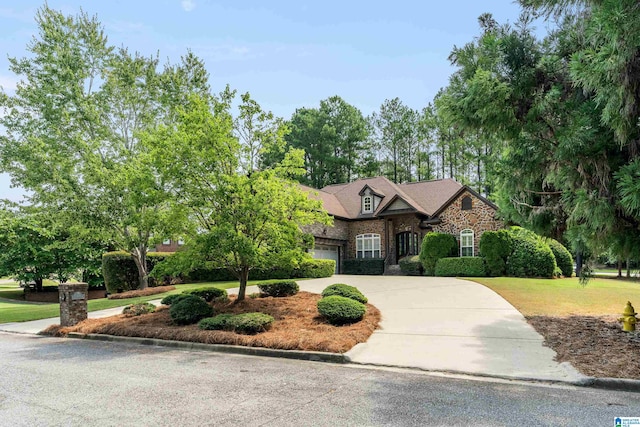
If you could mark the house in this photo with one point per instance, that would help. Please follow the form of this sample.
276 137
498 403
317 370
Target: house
375 218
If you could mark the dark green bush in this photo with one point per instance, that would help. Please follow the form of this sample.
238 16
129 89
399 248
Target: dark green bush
250 323
315 268
411 266
531 256
120 271
172 299
344 291
563 257
189 310
209 294
434 247
278 288
466 266
138 309
219 322
340 310
363 266
495 248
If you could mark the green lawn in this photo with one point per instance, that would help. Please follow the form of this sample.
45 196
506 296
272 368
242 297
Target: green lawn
21 311
563 297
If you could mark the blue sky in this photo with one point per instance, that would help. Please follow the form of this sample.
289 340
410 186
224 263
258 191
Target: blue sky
287 54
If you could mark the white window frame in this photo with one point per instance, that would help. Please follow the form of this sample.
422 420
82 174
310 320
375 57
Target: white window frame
466 242
367 200
166 242
368 246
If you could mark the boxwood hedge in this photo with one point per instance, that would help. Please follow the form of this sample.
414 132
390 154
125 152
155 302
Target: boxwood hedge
460 267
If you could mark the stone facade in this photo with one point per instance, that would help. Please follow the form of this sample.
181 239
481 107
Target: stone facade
73 303
375 226
480 218
339 230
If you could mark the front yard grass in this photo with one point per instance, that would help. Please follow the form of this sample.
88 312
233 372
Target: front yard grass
14 310
565 297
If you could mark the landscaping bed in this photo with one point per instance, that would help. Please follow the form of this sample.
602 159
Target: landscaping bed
596 346
297 326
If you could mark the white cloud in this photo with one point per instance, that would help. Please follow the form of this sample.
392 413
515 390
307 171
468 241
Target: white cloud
8 83
188 5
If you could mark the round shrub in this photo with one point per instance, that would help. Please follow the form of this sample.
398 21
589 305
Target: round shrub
411 266
434 247
340 310
278 288
172 299
189 310
563 257
138 309
345 291
531 256
209 294
219 322
495 248
250 323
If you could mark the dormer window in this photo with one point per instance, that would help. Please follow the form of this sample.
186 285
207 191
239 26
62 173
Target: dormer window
367 204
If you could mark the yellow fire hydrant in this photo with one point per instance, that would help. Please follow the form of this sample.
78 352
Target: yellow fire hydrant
628 318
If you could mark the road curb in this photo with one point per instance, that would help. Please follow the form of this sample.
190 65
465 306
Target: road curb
619 384
314 356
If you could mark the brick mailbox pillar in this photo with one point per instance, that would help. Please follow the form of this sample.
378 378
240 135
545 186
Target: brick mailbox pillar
73 302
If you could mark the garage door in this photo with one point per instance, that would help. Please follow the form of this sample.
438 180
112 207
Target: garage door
327 252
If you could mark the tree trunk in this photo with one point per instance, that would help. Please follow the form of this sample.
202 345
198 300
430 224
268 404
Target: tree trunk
139 256
619 268
628 268
578 263
38 283
244 278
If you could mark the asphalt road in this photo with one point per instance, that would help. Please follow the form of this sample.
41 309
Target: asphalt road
50 382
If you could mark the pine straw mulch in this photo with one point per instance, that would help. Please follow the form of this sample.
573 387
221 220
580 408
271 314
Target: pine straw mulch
596 346
142 292
297 326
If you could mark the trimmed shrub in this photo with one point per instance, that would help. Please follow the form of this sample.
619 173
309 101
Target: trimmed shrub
344 291
279 288
340 310
315 269
363 266
466 266
209 294
563 257
250 323
531 256
411 266
120 271
434 247
189 310
172 299
215 323
138 309
495 248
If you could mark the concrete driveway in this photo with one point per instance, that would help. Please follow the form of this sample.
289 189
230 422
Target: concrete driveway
450 325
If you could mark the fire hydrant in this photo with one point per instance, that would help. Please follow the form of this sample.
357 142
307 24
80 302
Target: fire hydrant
628 318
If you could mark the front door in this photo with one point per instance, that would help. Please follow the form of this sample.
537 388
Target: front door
406 244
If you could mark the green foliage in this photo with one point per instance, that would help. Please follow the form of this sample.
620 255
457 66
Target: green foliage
339 310
245 323
363 266
189 310
315 268
411 266
138 309
278 288
344 291
120 271
173 298
434 247
209 294
531 256
564 260
460 267
495 248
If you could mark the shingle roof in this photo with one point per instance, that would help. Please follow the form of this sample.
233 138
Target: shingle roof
329 201
426 197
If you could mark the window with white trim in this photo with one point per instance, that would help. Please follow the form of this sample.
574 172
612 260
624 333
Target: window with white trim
166 242
466 242
367 204
368 246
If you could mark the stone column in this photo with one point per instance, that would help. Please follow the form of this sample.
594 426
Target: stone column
73 302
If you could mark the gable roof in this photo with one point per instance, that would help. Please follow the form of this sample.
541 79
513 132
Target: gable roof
425 197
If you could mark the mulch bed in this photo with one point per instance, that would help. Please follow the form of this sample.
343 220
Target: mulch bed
142 292
596 346
297 326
